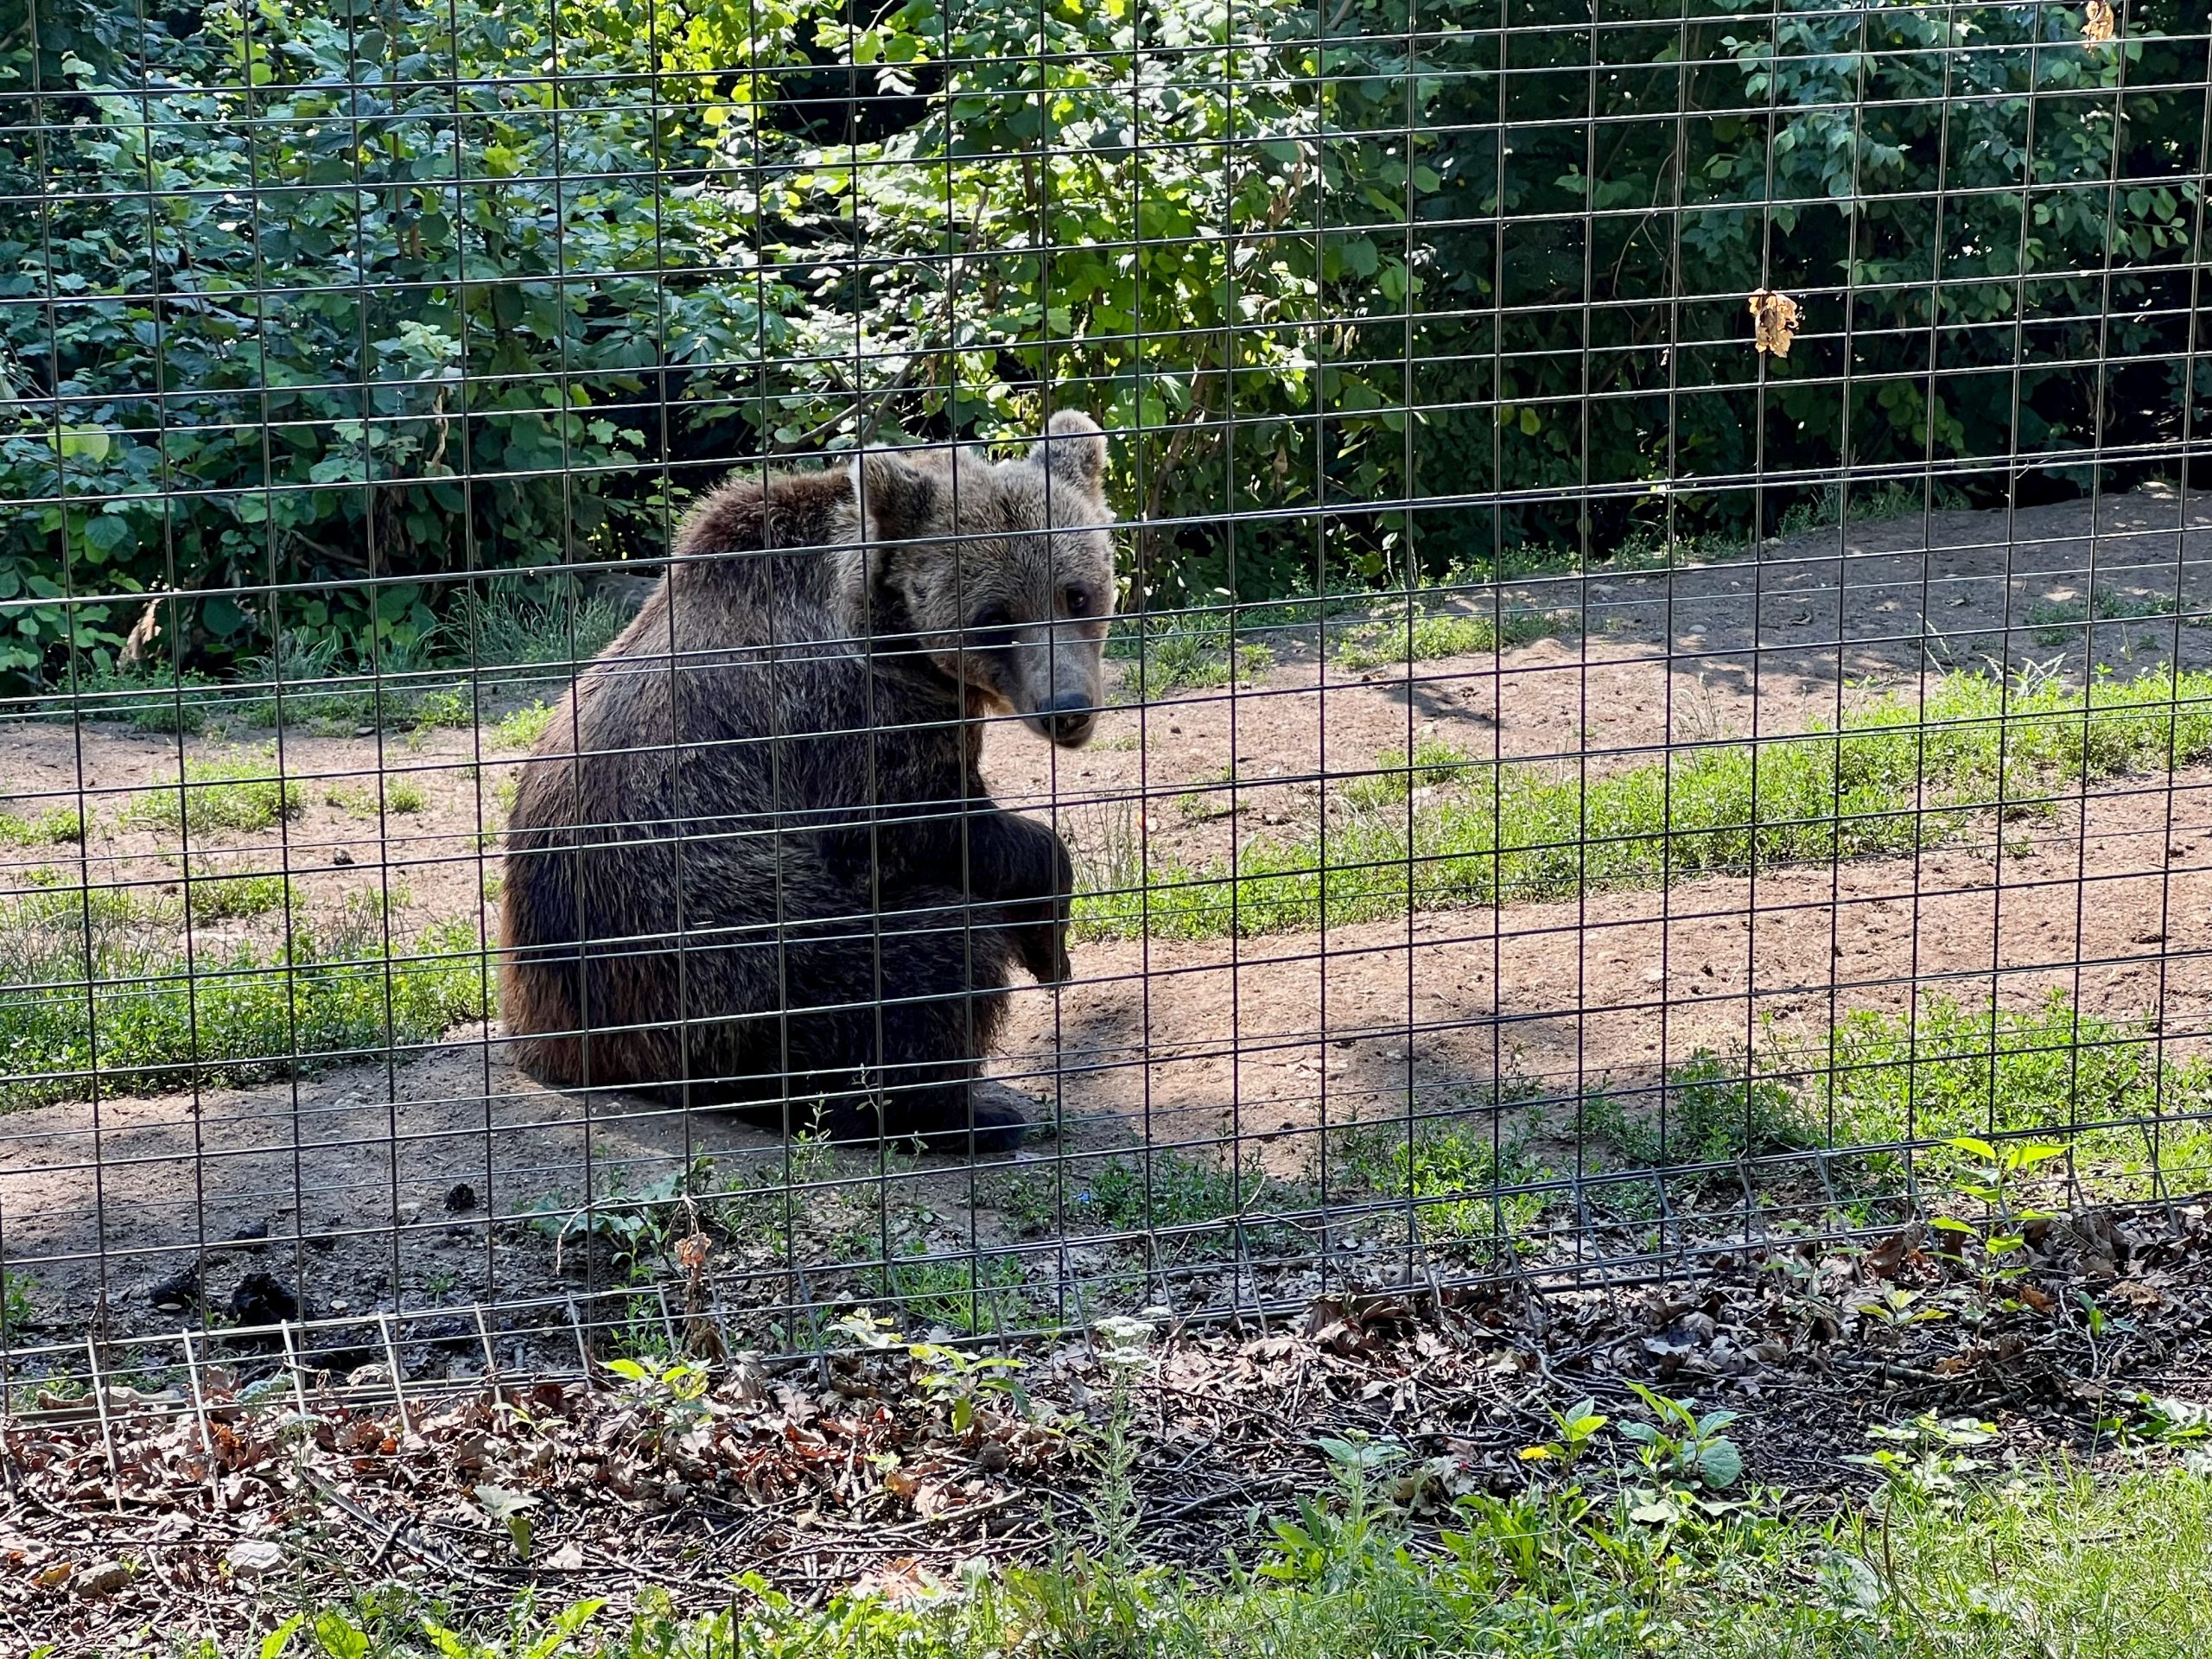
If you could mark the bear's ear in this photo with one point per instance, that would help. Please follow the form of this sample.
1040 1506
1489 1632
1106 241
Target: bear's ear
1072 448
898 500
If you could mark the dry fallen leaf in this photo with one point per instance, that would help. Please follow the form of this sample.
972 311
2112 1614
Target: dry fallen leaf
1774 318
250 1558
102 1579
2098 22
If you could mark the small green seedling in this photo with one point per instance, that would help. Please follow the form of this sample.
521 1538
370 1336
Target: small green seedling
1688 1455
1927 1455
2160 1419
1897 1307
1991 1180
959 1382
510 1509
1578 1426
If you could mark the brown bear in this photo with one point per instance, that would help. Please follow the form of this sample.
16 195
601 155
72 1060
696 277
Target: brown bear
752 861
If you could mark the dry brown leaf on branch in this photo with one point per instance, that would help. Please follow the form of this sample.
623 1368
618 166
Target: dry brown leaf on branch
2098 22
1774 317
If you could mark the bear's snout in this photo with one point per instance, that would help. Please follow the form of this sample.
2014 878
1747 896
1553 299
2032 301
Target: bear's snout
1068 718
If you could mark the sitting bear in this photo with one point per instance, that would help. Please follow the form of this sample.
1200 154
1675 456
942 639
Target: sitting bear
752 861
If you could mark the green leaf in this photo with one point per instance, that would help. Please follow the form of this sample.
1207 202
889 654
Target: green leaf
1719 1463
340 1637
83 442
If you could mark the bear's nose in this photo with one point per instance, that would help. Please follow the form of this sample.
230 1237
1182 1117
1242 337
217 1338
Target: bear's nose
1070 715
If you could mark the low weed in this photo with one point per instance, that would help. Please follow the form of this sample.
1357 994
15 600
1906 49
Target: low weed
355 800
521 728
405 795
1417 633
218 796
534 621
1868 504
1212 797
2048 1071
2064 621
1131 1192
1895 778
1717 1110
220 897
1395 778
54 826
313 687
155 698
2058 1561
154 1019
17 1311
1184 652
1457 1175
1106 841
636 1222
972 1295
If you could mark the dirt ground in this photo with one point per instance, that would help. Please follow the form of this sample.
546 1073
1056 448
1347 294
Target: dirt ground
348 1186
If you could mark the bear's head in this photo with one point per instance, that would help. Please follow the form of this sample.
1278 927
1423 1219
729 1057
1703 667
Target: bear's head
1003 571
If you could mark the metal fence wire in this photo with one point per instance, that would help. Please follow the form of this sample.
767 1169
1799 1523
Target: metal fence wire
1646 697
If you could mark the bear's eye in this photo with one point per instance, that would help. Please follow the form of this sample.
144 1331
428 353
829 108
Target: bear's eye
988 628
1078 601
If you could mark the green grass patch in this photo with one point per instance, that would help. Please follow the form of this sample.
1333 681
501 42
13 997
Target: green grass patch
1396 777
231 897
1895 778
313 686
1132 1191
504 626
973 1295
1870 504
217 796
51 827
1454 1172
1717 1109
2061 621
146 697
2049 1562
128 1007
1418 635
521 728
1186 651
2103 1084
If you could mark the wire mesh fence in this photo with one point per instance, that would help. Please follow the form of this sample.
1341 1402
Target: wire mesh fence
580 754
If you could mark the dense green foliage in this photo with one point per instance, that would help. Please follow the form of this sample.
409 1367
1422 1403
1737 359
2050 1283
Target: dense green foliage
369 295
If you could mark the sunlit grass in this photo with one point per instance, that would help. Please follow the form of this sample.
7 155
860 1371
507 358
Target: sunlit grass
1895 778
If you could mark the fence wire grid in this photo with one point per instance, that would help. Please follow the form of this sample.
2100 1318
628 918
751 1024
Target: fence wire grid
1656 703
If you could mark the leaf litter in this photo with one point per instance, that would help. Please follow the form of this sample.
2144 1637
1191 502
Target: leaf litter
215 1510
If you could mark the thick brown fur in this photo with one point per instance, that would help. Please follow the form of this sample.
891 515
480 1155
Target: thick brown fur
752 861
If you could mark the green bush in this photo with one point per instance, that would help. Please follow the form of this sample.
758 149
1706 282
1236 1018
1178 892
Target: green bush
1165 213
